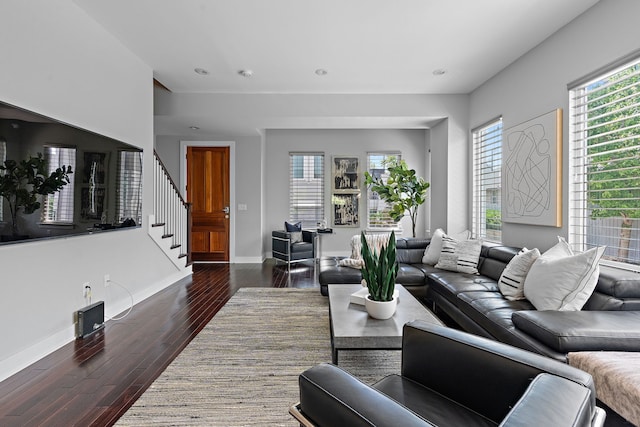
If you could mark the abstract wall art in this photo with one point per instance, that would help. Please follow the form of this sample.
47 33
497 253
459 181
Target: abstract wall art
532 171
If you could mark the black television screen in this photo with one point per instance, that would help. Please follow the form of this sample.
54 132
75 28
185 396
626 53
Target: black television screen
102 192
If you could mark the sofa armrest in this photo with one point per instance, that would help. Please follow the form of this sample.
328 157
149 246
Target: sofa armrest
567 331
330 396
441 358
551 400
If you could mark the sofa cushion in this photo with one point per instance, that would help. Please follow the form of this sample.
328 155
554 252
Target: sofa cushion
582 330
409 275
616 290
479 305
562 280
428 404
410 250
511 282
450 284
459 255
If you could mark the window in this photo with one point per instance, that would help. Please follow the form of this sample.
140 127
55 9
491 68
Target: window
3 157
129 187
58 207
604 203
306 184
377 209
487 183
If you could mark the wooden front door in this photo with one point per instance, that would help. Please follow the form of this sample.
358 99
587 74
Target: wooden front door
208 192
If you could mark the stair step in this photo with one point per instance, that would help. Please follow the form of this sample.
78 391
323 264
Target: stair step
175 246
166 236
182 255
158 224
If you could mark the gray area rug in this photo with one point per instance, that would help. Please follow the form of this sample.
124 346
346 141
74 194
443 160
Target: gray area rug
242 369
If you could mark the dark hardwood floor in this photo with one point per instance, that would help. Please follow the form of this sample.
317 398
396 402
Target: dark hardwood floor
92 382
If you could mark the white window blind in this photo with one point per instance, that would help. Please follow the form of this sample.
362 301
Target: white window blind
487 183
377 209
129 187
604 204
58 207
306 188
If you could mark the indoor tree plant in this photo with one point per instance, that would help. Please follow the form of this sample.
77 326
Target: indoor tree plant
379 273
403 190
23 183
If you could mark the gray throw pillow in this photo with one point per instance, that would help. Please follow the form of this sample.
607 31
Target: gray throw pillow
296 236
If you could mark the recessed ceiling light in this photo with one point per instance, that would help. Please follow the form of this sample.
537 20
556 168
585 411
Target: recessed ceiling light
194 127
321 72
439 72
245 73
201 71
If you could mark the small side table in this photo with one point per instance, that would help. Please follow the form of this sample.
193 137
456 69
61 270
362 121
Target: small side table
320 232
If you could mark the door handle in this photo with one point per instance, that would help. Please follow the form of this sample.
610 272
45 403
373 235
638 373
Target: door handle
226 210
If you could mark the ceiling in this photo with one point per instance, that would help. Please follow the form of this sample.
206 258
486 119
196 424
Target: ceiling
365 46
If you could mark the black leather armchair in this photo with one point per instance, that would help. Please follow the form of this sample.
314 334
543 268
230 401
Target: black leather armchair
452 378
285 249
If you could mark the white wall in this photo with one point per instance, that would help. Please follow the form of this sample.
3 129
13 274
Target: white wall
332 142
247 170
537 83
323 113
58 62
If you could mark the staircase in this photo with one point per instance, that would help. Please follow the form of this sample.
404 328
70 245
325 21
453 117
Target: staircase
170 226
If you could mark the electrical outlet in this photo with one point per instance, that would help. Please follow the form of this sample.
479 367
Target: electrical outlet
107 279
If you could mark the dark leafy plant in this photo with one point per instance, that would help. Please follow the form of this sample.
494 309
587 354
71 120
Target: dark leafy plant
380 270
404 191
22 184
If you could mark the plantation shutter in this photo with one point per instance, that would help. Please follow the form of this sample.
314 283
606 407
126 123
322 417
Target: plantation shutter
377 209
604 205
3 157
129 186
487 181
58 207
306 188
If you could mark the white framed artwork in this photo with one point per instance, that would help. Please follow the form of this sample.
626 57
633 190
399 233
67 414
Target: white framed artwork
532 171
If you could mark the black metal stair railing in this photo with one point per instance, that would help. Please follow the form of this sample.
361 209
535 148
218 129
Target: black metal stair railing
171 210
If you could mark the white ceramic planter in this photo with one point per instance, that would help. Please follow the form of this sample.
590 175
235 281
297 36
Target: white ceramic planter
381 309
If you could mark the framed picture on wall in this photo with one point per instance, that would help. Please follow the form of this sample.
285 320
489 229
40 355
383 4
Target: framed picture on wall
345 173
95 165
345 209
532 171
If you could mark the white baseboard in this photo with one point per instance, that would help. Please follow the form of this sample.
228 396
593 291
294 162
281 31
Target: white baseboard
30 355
112 309
248 260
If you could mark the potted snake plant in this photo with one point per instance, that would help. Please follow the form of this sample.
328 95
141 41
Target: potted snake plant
379 274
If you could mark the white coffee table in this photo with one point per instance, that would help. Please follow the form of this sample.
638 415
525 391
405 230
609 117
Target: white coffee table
353 329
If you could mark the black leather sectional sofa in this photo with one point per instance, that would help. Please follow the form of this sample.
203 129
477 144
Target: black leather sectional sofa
610 320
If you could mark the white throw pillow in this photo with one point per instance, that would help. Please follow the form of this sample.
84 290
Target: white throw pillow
352 263
562 280
459 255
511 281
432 253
